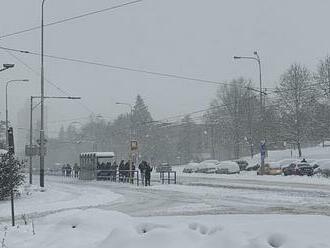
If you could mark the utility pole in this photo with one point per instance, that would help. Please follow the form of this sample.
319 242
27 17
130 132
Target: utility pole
30 169
42 95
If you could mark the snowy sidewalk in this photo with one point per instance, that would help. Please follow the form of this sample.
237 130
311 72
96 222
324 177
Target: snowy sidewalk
57 197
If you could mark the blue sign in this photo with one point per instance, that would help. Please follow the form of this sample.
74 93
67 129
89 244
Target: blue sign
263 149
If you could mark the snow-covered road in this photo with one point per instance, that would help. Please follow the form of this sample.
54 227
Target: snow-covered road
199 195
194 195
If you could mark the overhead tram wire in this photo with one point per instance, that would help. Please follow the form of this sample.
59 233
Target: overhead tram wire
155 73
71 18
66 93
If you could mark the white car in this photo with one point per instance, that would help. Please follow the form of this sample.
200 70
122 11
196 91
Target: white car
207 166
322 167
190 168
227 167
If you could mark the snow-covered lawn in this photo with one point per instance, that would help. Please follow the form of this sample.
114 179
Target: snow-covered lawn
94 228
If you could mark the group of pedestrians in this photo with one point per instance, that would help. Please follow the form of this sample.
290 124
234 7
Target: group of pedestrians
68 171
124 171
107 171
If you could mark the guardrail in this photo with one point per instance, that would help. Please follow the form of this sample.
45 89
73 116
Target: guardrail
166 177
121 176
124 176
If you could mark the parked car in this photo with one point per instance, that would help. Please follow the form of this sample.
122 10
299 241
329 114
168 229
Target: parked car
286 162
322 167
300 169
273 169
190 168
227 167
164 167
242 164
207 166
252 167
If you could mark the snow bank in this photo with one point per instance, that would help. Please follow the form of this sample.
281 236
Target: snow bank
94 228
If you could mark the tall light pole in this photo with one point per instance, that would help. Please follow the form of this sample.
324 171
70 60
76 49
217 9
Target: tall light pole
256 57
42 96
31 125
7 83
130 136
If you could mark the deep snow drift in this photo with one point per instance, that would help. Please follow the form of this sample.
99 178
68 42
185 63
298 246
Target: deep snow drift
94 228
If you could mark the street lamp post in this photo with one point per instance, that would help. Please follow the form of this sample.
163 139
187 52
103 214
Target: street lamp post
7 83
42 96
256 57
31 129
130 136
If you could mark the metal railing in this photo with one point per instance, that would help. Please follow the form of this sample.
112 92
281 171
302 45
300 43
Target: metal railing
167 177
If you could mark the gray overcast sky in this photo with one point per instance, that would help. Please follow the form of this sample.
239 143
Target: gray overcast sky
186 37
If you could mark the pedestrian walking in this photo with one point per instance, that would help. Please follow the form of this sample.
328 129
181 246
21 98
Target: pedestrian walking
76 170
68 170
148 171
142 168
121 168
63 170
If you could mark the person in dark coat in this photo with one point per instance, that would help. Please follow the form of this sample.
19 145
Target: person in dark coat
68 170
76 170
121 172
148 171
63 170
142 168
114 171
126 171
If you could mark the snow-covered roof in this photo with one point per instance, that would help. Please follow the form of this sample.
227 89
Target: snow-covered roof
99 154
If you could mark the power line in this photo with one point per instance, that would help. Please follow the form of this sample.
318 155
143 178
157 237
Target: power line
71 18
155 73
49 82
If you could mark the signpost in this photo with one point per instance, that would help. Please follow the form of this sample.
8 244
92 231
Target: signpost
262 156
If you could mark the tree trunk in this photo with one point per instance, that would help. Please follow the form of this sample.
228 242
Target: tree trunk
299 149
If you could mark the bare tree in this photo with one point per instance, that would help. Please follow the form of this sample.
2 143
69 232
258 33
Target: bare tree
323 75
296 96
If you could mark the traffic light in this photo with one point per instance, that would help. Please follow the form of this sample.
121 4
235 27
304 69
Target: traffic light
11 146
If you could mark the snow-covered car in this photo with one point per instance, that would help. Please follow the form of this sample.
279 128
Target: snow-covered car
207 166
190 168
322 167
243 164
252 167
287 162
271 168
227 167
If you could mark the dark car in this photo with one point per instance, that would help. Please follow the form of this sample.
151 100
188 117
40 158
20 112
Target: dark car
299 169
251 167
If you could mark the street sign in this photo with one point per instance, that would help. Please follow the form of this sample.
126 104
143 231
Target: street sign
134 145
39 143
33 151
11 147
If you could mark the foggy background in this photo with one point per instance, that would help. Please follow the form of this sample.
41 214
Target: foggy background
188 38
